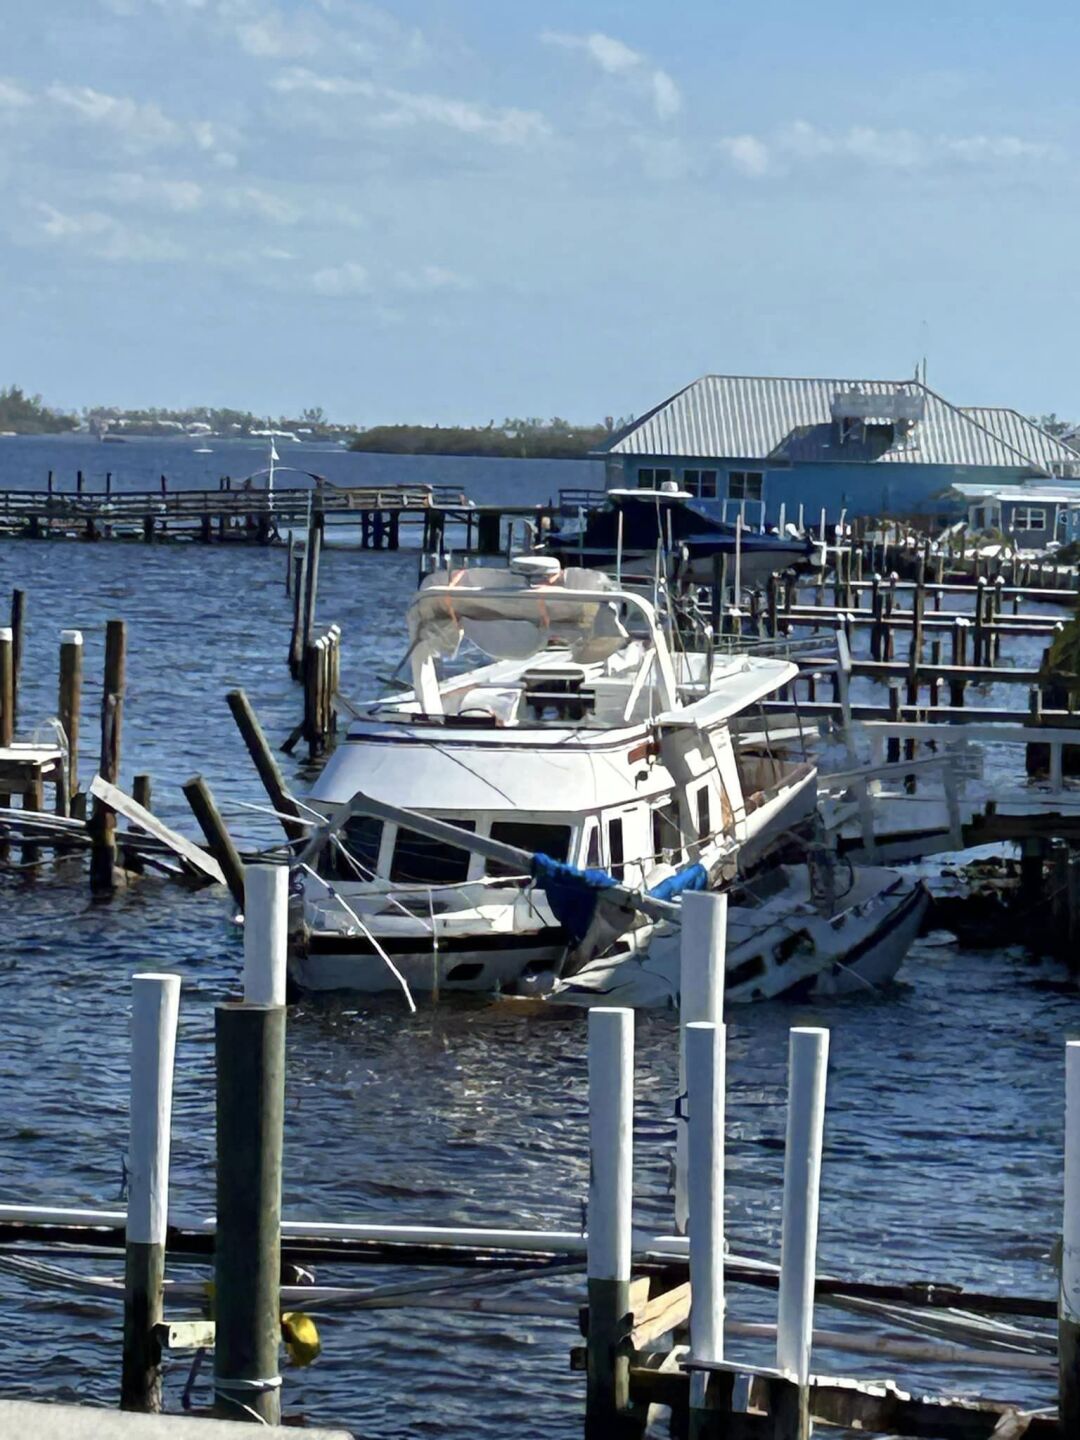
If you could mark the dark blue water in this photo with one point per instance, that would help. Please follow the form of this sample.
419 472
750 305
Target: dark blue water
943 1154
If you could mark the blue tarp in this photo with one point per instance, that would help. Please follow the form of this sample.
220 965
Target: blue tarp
693 877
573 893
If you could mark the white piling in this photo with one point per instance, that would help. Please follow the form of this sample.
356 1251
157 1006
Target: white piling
610 1238
1069 1296
705 1055
154 1011
808 1053
703 948
266 921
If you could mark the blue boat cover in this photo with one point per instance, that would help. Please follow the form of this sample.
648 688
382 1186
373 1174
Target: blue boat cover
693 877
573 894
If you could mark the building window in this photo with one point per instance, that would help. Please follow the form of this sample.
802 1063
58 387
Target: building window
1029 517
745 484
701 483
652 477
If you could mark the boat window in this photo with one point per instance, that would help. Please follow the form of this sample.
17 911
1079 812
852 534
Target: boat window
701 483
419 860
666 831
592 853
553 840
361 836
616 854
745 484
704 827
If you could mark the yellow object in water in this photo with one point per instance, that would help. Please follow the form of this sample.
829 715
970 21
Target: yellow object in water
300 1336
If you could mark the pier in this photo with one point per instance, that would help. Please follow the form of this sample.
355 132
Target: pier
239 514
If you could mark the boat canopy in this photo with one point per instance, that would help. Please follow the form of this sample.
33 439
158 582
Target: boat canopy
512 617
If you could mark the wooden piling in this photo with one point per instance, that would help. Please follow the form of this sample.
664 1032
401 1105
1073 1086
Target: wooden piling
311 583
289 557
155 1006
103 837
877 608
7 686
1069 1289
18 628
250 1055
296 652
69 703
611 1129
218 839
266 765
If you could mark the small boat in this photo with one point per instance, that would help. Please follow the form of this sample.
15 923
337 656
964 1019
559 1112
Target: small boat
633 525
788 935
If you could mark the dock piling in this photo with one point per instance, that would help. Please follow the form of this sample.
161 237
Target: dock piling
154 1010
250 1055
266 922
705 1058
7 686
103 850
262 756
1069 1290
218 839
69 702
703 946
611 1140
18 635
808 1053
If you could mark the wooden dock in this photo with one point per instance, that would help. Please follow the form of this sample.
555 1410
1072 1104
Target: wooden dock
234 514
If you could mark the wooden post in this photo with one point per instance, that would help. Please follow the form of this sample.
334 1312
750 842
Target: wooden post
7 686
995 638
311 585
960 628
268 769
154 1009
250 1054
18 626
611 1140
1069 1290
877 629
69 702
705 1054
103 850
296 647
774 604
893 746
142 792
266 925
218 839
290 555
979 653
808 1053
702 953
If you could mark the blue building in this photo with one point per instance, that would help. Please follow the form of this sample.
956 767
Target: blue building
768 448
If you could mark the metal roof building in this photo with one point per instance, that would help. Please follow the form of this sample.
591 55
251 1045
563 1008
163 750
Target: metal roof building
743 439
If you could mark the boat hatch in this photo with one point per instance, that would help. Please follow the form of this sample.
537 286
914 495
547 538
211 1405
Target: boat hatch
556 693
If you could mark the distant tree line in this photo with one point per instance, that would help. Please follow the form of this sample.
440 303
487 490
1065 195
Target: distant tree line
29 415
533 439
1052 425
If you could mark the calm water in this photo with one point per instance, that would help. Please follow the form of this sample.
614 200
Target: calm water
943 1154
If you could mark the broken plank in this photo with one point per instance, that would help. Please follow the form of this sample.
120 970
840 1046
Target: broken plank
192 855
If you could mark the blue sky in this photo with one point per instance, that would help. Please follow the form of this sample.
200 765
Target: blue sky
464 209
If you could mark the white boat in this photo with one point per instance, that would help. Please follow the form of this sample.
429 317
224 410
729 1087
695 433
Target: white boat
583 737
784 938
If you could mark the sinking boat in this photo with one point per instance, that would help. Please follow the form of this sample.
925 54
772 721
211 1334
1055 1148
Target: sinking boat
631 526
787 935
584 735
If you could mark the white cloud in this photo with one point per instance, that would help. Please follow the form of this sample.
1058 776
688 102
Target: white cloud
398 109
139 126
802 144
747 153
430 278
266 204
103 237
614 57
341 280
13 96
271 37
155 192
